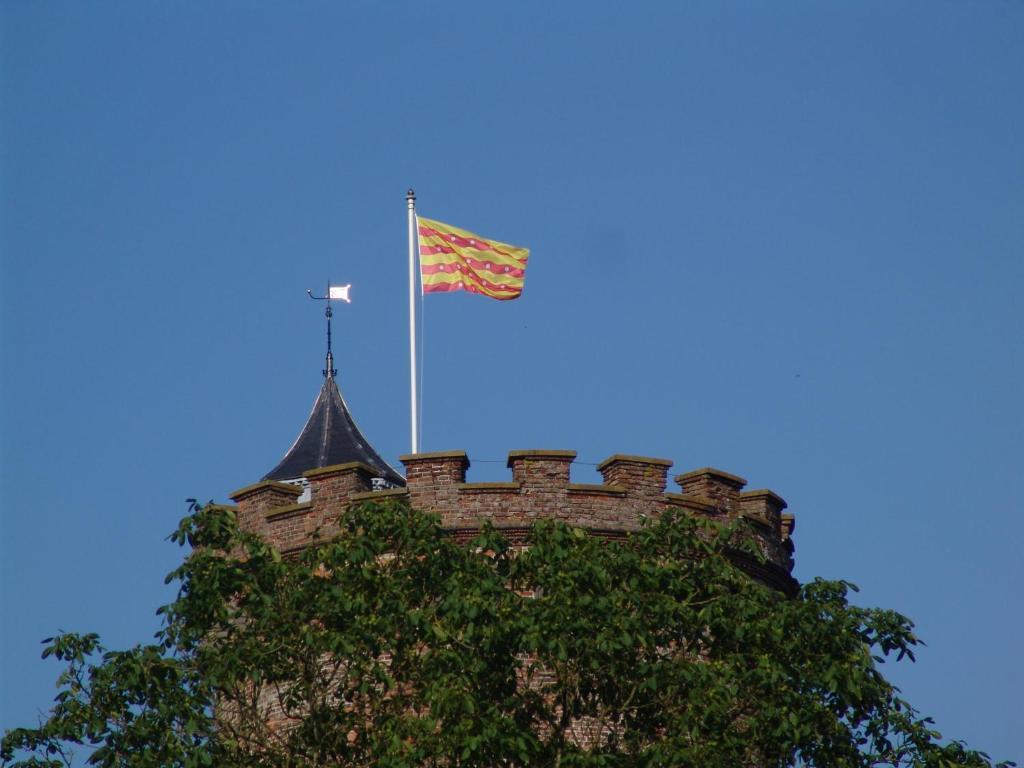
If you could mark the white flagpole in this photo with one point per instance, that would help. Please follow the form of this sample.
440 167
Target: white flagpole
410 198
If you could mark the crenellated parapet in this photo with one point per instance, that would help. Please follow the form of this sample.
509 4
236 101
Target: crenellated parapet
633 488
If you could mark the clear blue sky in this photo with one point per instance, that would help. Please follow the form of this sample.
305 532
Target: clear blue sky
782 239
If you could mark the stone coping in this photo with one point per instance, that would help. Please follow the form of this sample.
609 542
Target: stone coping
335 469
488 487
764 493
539 453
596 489
692 502
387 493
291 510
718 474
626 457
434 456
263 485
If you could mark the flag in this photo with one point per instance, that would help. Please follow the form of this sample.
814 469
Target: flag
339 292
452 259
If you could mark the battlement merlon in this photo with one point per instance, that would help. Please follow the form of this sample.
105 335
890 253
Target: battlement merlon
255 501
717 487
639 476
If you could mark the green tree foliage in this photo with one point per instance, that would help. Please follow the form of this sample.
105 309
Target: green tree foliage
392 645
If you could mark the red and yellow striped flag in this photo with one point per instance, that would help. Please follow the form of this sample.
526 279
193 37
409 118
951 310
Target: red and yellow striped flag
452 259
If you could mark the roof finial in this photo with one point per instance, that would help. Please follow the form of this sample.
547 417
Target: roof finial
334 293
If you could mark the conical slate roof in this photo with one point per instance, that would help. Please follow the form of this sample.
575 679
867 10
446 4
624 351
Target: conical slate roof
330 437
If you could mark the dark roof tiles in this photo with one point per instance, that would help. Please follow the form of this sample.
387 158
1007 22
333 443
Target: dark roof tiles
330 437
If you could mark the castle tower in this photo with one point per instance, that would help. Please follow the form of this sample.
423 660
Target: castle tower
331 465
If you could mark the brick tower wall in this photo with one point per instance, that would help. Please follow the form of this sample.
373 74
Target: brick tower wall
633 488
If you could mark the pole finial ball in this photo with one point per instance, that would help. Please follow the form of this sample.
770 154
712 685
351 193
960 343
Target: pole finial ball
411 193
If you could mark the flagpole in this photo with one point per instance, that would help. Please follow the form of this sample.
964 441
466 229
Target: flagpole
410 198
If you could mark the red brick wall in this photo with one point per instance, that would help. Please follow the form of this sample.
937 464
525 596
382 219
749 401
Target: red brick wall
634 487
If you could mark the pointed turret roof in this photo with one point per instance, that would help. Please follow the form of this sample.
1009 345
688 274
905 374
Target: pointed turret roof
330 437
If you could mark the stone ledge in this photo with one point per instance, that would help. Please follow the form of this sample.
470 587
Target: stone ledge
410 457
625 457
596 489
539 454
249 490
488 487
387 493
764 493
292 510
695 503
336 469
734 480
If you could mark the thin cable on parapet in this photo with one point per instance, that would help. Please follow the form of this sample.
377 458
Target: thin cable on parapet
505 461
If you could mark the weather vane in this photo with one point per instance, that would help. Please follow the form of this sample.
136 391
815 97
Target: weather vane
334 293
